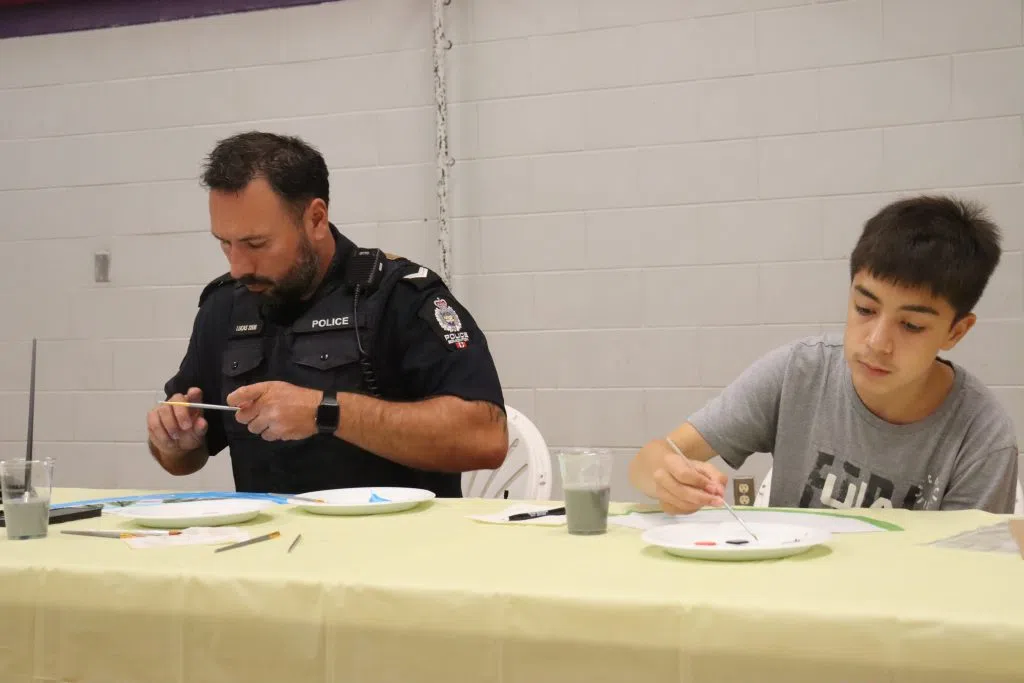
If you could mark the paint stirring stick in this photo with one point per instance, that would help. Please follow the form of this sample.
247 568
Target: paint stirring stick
728 507
31 421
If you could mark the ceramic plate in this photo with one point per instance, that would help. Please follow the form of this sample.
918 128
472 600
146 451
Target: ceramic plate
195 513
728 540
363 501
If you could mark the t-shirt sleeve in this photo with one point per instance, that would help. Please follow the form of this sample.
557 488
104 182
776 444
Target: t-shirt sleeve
985 482
195 371
984 476
434 346
743 419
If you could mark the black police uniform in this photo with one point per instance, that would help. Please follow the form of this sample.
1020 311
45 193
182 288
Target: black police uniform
417 342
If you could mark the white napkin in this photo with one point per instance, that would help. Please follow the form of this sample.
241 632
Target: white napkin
502 517
196 535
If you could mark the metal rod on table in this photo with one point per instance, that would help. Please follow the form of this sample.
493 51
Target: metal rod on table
294 543
242 544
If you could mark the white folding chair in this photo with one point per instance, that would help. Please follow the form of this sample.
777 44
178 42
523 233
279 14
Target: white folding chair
526 472
764 492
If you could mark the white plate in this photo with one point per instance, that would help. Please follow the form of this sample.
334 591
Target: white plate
694 540
195 513
357 501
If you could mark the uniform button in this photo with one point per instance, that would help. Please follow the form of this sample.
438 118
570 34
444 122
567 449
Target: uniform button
234 365
323 357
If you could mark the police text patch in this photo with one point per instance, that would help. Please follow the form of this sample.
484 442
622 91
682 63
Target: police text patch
323 323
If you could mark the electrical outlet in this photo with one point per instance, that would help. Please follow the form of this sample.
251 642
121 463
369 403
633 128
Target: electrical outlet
101 266
743 491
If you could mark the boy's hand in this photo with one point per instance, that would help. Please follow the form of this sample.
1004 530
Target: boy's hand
683 486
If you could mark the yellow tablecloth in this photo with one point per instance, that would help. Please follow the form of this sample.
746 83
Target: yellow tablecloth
429 595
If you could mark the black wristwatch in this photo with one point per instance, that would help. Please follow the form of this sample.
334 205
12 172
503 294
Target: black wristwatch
328 414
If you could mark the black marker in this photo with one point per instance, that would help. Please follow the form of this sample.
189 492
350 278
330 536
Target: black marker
533 515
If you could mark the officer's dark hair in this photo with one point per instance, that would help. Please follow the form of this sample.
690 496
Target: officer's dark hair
294 169
944 244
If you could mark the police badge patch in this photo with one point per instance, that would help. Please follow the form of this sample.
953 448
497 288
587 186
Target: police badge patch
446 316
449 325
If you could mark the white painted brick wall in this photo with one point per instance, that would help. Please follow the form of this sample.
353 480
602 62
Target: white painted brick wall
648 195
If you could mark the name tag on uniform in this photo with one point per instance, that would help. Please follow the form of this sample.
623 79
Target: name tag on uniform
246 329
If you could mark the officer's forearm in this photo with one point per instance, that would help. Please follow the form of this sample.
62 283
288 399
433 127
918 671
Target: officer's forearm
180 464
444 433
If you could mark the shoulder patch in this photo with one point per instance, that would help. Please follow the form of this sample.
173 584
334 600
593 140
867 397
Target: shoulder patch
443 318
420 277
214 284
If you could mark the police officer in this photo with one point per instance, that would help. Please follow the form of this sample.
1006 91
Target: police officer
348 367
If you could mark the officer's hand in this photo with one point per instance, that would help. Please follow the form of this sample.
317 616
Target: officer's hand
277 410
176 429
683 486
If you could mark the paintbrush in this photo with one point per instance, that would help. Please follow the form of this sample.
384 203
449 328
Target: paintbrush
199 406
728 507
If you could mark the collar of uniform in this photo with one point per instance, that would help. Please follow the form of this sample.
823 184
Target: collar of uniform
343 248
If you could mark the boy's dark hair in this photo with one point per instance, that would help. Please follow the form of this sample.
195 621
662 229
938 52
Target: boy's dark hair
294 169
945 244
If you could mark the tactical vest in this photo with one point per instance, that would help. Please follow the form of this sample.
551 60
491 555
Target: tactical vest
320 350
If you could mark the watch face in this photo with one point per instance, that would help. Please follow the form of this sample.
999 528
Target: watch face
327 415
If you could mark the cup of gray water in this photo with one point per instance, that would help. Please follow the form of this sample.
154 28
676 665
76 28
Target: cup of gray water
586 481
26 486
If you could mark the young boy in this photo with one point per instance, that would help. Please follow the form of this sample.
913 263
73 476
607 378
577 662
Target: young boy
875 419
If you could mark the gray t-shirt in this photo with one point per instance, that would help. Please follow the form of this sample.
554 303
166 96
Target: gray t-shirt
829 451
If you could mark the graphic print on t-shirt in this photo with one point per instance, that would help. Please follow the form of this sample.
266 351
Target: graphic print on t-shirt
837 483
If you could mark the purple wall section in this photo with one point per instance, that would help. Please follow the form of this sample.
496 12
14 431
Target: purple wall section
59 16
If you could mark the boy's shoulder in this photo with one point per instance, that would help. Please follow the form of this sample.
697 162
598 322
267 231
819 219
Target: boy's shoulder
981 410
819 346
810 355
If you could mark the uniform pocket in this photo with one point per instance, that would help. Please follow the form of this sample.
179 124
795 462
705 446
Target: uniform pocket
242 357
325 351
327 360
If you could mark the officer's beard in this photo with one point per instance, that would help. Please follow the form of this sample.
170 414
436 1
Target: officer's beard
288 292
